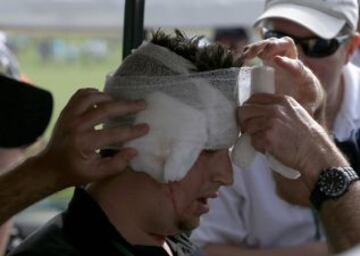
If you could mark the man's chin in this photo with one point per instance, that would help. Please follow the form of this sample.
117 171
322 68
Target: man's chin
188 225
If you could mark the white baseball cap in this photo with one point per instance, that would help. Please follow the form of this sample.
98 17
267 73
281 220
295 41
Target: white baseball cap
325 18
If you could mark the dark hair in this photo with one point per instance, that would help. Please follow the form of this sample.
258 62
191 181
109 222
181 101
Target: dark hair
209 57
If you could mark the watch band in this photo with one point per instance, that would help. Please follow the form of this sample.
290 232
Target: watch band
319 194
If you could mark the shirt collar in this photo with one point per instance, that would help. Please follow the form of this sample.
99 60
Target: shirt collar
89 229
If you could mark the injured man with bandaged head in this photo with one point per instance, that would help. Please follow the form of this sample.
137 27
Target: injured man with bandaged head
190 95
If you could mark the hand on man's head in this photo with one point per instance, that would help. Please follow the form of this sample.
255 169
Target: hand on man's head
72 150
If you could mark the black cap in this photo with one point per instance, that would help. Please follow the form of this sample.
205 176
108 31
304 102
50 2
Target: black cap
25 112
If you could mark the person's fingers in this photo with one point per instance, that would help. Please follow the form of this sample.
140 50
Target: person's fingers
250 111
259 142
266 139
259 98
106 110
100 138
304 83
255 125
306 87
81 93
84 100
264 99
283 47
252 50
294 67
264 105
108 166
269 48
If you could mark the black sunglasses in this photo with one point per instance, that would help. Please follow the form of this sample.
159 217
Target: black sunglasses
314 47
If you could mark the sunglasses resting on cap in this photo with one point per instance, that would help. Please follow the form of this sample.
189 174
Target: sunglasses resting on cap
313 47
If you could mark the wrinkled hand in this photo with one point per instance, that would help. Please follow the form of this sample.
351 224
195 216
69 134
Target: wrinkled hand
269 48
291 76
71 153
280 126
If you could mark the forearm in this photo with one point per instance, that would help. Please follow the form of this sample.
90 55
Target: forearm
26 184
322 155
341 219
316 248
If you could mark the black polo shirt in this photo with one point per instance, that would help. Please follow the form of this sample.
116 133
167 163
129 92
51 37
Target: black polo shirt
84 229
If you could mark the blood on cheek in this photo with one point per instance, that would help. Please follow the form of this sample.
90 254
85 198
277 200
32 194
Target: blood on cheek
173 198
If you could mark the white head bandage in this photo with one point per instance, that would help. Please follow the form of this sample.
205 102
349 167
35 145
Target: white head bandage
187 111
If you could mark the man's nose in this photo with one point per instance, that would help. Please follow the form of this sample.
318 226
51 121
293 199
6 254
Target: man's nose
223 171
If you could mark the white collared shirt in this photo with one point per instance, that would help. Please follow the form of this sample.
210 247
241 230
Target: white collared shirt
348 117
250 212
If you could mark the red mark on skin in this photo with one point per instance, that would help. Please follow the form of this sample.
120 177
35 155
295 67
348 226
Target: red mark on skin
172 198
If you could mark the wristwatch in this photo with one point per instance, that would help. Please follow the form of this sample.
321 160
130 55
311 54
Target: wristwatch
332 184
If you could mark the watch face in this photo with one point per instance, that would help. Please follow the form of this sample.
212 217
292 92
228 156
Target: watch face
333 183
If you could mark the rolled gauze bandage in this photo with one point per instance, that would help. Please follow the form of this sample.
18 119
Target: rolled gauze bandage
187 111
243 153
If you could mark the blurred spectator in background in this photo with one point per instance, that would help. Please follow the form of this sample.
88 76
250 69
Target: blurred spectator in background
96 50
45 50
232 38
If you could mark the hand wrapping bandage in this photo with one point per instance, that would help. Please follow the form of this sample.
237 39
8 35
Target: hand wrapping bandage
187 111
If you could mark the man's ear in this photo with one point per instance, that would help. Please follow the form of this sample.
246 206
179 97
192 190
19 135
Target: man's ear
353 46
